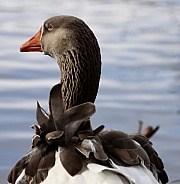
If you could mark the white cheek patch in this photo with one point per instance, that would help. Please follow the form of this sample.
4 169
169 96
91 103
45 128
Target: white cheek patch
42 30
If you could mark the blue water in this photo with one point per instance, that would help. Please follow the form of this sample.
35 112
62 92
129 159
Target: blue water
140 45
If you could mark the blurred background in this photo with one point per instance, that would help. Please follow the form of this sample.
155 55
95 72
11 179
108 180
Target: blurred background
140 46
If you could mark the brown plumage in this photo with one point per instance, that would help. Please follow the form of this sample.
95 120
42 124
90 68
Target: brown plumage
77 52
71 130
59 128
67 126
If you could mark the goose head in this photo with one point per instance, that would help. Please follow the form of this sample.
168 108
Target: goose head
74 46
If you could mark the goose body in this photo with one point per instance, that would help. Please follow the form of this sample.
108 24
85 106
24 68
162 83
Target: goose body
65 149
95 173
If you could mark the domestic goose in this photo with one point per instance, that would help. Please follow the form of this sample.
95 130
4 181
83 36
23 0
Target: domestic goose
75 48
65 149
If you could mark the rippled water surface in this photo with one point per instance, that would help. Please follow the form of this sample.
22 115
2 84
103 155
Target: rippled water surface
140 45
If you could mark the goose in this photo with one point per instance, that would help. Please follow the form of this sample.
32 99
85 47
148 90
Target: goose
70 41
65 148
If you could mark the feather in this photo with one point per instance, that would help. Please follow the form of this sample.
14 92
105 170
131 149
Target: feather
78 113
71 161
19 166
156 164
47 161
71 129
32 165
98 129
55 138
86 125
99 151
56 103
43 121
119 147
67 127
39 177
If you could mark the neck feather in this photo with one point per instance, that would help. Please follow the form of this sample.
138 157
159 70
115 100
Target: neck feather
79 77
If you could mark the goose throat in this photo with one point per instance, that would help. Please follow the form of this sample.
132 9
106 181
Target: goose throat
80 80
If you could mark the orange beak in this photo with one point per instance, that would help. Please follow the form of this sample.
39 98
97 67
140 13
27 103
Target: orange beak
33 44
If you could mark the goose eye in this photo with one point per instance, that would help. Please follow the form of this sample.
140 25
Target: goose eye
49 27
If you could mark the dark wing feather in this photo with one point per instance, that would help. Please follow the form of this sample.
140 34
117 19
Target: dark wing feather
71 161
121 148
32 165
36 163
156 164
46 163
86 125
98 129
99 151
56 106
75 116
43 121
71 129
16 171
19 166
78 113
39 177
